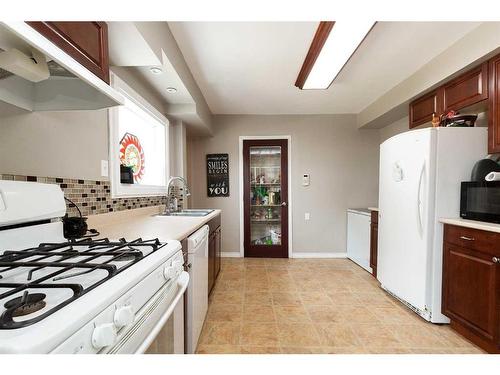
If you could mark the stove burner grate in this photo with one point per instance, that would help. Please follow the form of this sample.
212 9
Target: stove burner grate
26 304
92 254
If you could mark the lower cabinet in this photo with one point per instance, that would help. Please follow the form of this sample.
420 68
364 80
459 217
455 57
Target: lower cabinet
214 252
211 262
471 284
374 242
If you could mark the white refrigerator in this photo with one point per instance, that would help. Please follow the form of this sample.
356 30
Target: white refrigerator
420 175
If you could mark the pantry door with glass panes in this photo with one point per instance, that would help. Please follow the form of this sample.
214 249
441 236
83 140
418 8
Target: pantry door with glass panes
265 171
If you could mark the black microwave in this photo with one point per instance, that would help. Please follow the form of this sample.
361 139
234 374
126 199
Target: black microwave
480 200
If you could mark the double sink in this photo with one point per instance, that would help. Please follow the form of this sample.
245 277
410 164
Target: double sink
190 212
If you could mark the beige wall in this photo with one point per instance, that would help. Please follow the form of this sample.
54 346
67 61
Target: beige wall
342 162
54 144
395 128
67 144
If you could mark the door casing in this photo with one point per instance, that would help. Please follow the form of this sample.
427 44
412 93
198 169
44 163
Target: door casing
241 189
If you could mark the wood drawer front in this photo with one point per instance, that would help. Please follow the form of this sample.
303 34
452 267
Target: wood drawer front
470 290
474 239
421 110
86 42
214 223
467 89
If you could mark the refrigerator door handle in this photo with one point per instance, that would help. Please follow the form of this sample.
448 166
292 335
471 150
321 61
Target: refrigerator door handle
419 203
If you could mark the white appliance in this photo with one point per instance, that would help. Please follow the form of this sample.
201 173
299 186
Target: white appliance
197 294
84 296
358 236
420 175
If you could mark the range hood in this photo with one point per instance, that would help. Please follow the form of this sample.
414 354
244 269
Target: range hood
36 75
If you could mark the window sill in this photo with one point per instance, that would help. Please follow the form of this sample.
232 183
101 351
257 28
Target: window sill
136 191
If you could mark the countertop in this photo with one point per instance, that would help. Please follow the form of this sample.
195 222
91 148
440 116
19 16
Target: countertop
142 222
362 211
481 225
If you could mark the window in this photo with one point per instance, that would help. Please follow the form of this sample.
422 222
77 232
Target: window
138 146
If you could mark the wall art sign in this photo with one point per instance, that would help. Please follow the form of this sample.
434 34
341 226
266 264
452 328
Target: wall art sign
218 175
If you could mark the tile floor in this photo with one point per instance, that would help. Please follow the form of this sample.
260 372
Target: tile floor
313 306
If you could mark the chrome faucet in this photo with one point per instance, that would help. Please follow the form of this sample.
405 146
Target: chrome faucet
173 208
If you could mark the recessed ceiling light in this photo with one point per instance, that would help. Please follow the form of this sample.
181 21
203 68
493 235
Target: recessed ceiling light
171 90
155 70
333 45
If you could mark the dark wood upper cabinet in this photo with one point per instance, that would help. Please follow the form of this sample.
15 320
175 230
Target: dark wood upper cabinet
494 106
421 109
471 284
86 42
467 89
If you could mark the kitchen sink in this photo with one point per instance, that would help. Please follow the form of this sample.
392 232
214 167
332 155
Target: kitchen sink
190 212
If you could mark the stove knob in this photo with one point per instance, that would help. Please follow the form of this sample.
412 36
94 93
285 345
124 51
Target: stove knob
104 335
169 272
123 316
177 264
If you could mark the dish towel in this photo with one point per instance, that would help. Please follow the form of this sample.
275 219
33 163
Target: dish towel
493 176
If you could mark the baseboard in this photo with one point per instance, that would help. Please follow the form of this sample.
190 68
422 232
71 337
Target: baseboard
230 254
319 255
236 254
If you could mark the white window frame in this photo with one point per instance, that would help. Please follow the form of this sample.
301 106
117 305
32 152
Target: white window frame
119 190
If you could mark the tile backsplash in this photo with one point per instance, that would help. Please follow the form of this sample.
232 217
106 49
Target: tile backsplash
92 197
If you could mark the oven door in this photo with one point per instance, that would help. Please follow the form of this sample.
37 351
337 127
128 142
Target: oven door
480 200
159 329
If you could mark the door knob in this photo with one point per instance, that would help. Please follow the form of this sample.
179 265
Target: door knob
283 204
495 260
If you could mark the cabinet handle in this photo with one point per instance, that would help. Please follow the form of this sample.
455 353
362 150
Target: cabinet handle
467 238
495 260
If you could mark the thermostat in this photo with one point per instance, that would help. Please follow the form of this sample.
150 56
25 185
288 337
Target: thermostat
306 179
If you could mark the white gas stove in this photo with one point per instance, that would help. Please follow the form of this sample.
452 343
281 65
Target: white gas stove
81 296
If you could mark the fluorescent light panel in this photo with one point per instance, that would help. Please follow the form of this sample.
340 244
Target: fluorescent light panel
342 41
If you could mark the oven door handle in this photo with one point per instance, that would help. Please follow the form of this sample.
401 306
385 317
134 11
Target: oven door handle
182 283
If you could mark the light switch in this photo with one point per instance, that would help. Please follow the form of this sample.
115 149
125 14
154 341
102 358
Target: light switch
307 216
104 168
305 179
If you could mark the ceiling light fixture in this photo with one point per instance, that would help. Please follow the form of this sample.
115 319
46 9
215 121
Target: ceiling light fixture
171 90
330 50
155 70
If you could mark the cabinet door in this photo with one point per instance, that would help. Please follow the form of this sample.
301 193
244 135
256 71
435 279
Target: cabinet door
218 251
211 262
421 109
373 248
470 290
86 42
494 106
467 89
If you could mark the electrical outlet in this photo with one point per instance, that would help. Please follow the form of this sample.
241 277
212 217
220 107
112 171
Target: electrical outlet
104 168
307 216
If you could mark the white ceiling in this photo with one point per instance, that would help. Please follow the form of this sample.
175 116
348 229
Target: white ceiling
251 67
129 49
